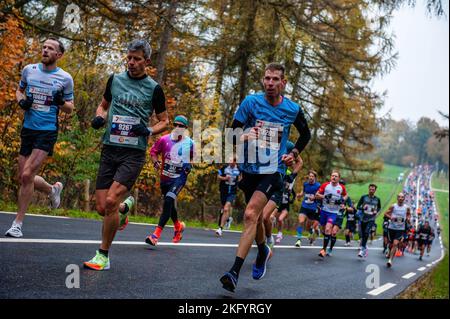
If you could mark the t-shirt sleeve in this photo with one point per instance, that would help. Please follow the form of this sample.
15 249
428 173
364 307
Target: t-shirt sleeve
156 148
68 89
23 78
159 100
108 95
243 111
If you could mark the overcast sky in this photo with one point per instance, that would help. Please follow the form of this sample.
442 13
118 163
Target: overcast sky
419 84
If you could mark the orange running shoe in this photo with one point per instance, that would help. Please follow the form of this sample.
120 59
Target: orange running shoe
178 234
398 253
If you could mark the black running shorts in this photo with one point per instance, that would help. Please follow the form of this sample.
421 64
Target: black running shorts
35 139
268 184
119 164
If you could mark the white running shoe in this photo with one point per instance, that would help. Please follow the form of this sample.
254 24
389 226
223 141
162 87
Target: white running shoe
219 232
228 223
55 196
279 238
361 253
14 231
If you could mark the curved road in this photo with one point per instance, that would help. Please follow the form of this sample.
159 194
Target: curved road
35 266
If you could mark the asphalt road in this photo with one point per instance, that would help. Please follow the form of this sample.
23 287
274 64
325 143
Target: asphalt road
35 266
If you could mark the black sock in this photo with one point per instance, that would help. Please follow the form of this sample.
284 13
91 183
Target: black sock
347 238
326 239
261 250
333 241
103 252
238 262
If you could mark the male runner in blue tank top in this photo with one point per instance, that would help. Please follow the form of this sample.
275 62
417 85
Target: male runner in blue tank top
266 119
43 92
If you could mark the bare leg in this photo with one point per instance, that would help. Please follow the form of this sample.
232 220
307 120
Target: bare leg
28 168
114 196
251 217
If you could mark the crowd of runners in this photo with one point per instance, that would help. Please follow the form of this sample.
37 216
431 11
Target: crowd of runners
265 166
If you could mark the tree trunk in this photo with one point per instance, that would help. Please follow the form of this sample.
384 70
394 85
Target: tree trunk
58 25
245 49
165 41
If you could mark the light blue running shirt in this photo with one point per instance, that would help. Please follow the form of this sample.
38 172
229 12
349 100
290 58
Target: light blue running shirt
43 86
275 123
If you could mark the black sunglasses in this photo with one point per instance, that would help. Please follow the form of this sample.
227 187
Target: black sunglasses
179 125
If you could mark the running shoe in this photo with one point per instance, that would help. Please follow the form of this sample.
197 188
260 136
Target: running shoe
347 244
260 270
361 253
55 195
322 253
279 238
389 263
152 240
298 243
366 252
229 281
178 233
123 218
219 232
228 223
99 262
15 231
398 253
270 241
420 258
329 252
311 241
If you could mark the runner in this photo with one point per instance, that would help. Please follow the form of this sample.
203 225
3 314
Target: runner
370 205
333 195
229 176
44 90
267 119
424 236
127 105
350 226
176 150
270 211
287 198
346 207
307 215
398 214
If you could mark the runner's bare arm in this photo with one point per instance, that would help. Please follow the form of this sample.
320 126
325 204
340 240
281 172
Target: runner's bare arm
163 123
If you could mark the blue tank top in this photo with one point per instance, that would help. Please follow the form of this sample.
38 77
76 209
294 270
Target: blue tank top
309 190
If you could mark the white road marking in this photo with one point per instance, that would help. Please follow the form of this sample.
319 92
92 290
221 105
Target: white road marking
421 269
407 276
429 265
37 215
75 241
381 289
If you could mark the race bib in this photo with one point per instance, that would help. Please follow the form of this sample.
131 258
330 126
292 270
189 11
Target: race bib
370 210
172 169
120 130
307 200
42 99
270 135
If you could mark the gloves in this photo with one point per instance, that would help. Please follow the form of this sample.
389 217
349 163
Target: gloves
140 130
26 104
58 99
98 122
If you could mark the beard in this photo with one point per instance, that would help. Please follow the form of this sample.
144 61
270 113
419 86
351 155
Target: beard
48 60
